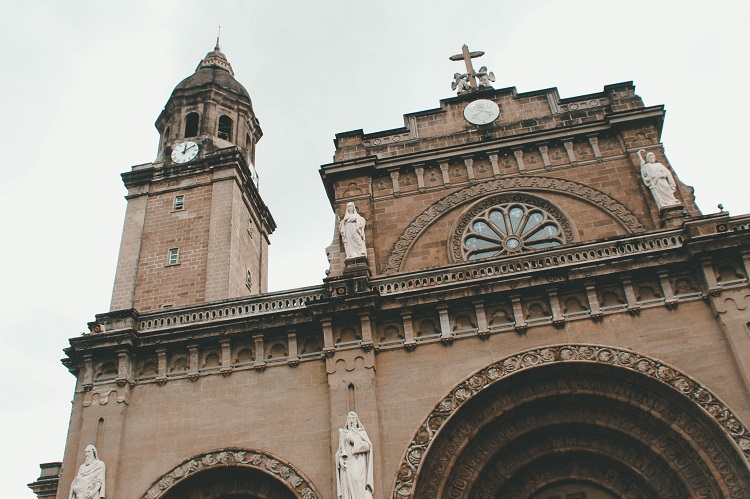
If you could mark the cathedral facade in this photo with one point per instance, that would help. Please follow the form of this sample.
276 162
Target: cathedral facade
523 301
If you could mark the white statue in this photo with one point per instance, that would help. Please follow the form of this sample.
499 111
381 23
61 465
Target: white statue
659 179
484 77
90 481
354 461
460 83
352 230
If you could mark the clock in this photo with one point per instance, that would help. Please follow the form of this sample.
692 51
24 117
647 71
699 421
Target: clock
184 152
481 112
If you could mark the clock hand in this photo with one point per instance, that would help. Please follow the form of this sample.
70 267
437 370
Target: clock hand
191 147
184 148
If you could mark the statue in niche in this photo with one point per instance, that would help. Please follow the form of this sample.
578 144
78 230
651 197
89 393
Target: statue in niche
659 179
352 230
354 478
90 481
461 83
484 77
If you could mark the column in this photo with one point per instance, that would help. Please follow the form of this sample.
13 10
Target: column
669 300
518 153
493 157
544 151
446 335
193 357
558 319
444 171
482 329
594 141
571 153
394 180
260 363
293 359
521 325
226 358
419 172
596 311
409 341
469 163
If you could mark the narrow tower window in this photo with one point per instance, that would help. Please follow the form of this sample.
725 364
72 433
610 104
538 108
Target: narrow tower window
249 280
174 256
225 127
179 202
191 125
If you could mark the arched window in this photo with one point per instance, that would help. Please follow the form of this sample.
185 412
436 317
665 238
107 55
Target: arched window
225 127
191 124
504 228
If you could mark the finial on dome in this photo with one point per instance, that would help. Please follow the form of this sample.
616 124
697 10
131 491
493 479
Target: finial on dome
215 59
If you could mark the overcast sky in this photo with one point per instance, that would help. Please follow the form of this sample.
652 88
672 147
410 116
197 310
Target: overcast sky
83 82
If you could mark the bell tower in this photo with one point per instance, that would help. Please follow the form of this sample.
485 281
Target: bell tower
196 229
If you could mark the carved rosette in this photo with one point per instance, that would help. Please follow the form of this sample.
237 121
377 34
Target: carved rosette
409 467
258 460
619 211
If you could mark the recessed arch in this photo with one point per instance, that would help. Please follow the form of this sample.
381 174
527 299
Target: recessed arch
427 217
281 476
192 121
556 415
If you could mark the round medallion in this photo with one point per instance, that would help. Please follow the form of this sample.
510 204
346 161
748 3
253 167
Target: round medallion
512 243
184 152
481 112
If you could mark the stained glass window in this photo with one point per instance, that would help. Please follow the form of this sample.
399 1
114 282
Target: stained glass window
510 228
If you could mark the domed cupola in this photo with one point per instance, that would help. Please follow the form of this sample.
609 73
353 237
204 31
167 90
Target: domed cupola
210 108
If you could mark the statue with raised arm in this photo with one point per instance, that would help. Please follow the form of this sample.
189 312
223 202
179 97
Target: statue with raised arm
352 230
460 83
659 179
90 481
484 77
354 478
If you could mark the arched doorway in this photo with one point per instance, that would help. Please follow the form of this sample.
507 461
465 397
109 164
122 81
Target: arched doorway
233 473
230 483
577 422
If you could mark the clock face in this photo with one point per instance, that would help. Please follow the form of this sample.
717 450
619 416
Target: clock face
184 152
481 112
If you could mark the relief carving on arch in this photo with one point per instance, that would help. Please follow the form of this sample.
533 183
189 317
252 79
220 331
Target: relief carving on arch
262 461
650 449
410 466
620 212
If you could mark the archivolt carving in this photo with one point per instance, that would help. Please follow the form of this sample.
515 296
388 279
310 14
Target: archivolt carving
626 217
411 462
649 450
258 460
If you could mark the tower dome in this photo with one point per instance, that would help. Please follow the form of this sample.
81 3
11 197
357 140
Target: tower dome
214 69
211 108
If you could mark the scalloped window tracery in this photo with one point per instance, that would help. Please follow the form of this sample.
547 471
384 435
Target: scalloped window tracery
510 228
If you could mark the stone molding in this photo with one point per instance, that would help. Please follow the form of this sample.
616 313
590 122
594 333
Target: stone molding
619 211
267 463
409 468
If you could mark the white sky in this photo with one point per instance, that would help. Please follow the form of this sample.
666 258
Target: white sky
83 82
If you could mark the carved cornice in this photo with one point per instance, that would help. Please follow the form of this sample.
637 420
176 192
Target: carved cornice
617 210
723 417
273 466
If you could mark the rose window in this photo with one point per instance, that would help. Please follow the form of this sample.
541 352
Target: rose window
510 228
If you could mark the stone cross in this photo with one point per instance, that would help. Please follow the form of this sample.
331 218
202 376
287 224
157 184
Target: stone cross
467 56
